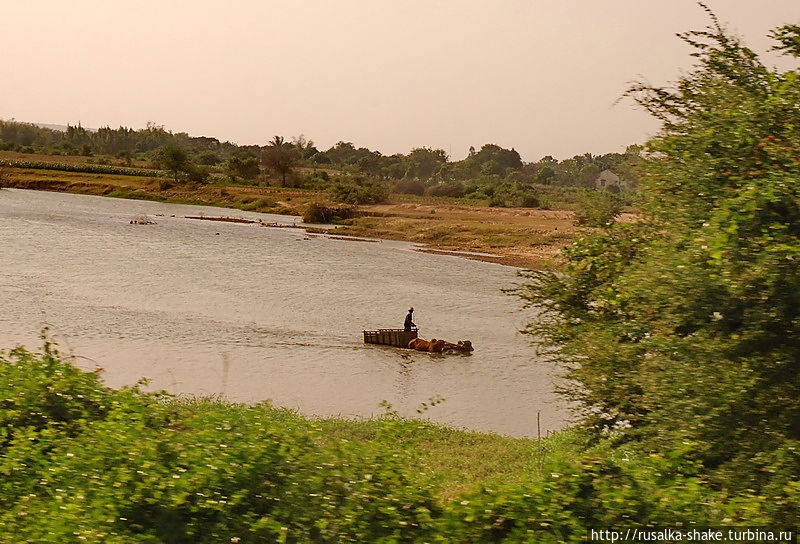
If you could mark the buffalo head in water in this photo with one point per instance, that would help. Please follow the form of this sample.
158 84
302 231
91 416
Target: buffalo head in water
464 346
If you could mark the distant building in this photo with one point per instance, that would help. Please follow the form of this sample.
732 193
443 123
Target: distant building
608 180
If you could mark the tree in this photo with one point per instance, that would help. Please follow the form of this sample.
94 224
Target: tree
208 158
245 168
423 162
546 175
280 157
304 146
503 158
173 159
683 328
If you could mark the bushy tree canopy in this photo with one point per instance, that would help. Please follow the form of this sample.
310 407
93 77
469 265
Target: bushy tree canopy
685 327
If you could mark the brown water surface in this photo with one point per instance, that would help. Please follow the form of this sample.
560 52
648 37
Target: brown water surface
252 313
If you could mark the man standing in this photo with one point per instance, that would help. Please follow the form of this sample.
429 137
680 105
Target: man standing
409 323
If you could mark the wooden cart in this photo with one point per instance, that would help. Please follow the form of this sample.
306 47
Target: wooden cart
390 337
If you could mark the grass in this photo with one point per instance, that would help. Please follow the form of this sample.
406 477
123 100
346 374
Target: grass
82 460
260 199
460 461
71 159
517 236
456 461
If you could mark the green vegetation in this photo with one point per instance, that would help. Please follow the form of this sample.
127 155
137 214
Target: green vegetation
84 463
359 191
84 167
597 209
280 156
679 335
246 168
490 176
316 212
681 331
173 159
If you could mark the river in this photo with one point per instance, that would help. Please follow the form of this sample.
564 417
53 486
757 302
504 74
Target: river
253 313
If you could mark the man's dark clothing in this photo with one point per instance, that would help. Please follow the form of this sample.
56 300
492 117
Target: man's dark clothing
408 323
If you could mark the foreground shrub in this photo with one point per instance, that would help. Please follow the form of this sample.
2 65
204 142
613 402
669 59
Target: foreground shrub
684 328
662 490
39 392
87 463
83 463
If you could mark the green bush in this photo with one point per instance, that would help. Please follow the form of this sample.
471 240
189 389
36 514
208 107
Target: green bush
82 462
529 200
245 168
316 212
198 173
683 328
454 190
359 192
409 187
498 200
597 209
208 158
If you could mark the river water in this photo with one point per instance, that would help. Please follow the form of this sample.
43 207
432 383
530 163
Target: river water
253 313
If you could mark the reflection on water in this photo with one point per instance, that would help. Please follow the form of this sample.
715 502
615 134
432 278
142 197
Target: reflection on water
257 313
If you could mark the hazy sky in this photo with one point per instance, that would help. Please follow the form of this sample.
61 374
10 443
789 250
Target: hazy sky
538 75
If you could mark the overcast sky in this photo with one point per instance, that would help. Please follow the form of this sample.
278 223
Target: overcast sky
541 76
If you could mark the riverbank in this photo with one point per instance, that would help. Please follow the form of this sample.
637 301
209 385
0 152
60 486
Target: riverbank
522 237
452 460
88 463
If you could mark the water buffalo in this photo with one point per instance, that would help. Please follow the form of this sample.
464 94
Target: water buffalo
434 346
440 346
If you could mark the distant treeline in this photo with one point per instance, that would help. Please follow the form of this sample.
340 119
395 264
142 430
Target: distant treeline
492 172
